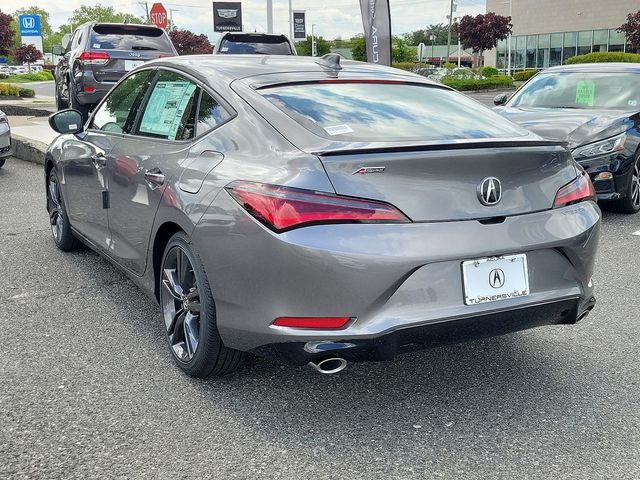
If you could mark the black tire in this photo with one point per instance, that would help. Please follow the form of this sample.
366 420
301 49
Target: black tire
631 201
2 160
60 227
192 335
76 105
60 103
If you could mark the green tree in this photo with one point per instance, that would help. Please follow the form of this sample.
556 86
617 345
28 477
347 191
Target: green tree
359 48
400 52
99 13
422 36
322 46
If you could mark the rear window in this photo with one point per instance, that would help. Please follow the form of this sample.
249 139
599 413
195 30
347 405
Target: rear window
388 112
129 37
256 45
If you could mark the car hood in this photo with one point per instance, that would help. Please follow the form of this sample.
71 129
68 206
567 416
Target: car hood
574 126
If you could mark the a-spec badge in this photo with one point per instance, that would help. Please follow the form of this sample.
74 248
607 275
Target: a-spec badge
363 170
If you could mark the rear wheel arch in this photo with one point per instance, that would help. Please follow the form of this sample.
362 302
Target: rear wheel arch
160 241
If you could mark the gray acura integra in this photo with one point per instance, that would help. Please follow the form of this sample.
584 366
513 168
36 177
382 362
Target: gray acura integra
321 211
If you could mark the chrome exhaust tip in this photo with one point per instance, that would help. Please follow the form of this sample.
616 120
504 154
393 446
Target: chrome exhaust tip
329 365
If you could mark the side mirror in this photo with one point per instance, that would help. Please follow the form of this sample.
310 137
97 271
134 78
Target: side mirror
66 121
57 50
65 41
500 99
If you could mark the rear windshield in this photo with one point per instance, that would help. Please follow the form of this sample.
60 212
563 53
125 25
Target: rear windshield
612 90
129 37
255 44
389 112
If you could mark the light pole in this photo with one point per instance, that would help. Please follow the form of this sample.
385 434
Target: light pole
290 21
313 40
451 10
269 16
171 10
432 37
509 43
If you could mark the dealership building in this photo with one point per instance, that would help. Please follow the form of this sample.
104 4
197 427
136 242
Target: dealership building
547 32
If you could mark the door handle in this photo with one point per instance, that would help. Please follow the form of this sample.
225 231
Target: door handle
99 159
154 178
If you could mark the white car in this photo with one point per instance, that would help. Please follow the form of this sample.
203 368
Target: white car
16 69
5 138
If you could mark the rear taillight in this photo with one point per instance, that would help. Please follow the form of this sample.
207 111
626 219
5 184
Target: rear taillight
94 58
165 56
322 323
578 190
283 208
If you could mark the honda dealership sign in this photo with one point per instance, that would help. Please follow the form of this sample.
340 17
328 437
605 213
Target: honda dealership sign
227 16
31 31
376 19
299 25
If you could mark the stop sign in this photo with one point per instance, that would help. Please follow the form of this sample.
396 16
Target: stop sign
158 15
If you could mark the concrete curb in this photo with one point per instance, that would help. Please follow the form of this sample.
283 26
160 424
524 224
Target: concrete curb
28 150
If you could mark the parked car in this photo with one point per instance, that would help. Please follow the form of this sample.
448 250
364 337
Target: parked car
97 55
313 210
4 69
35 68
17 69
232 43
595 108
5 139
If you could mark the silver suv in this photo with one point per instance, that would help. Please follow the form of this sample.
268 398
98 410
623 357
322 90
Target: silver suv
97 55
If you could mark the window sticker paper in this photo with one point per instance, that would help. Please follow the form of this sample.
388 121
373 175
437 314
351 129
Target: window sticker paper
586 93
166 108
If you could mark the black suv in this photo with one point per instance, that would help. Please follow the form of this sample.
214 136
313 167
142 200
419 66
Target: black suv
98 54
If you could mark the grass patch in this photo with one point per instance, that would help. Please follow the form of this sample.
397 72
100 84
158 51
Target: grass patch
43 76
468 84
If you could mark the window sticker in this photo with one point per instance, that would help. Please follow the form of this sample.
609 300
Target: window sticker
586 93
166 108
96 45
633 103
338 129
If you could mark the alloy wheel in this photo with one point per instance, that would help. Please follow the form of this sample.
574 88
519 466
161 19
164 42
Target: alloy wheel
56 212
635 185
180 302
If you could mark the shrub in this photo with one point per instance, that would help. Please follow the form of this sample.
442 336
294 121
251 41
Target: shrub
33 76
27 92
7 90
598 57
524 75
489 71
449 66
499 81
4 75
408 66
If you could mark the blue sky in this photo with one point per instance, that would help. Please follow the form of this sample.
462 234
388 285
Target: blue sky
332 17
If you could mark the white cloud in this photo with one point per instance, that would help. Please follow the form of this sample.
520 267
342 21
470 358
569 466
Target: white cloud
332 17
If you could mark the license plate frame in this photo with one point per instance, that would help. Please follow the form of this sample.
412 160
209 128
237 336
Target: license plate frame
131 64
495 279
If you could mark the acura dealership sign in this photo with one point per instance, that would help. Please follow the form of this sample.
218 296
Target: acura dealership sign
376 20
227 16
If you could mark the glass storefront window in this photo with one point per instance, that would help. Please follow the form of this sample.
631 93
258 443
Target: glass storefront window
584 42
569 45
543 51
600 40
555 52
616 41
532 48
520 52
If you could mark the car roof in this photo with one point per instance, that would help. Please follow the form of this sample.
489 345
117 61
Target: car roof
228 68
596 67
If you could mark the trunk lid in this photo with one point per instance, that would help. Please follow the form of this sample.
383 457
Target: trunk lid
443 184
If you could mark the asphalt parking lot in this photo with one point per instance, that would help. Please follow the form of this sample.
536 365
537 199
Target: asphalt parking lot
89 389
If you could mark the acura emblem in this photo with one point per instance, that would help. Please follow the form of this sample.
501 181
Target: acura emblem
490 191
496 278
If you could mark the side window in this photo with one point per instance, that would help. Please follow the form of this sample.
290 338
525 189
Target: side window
170 111
118 112
210 114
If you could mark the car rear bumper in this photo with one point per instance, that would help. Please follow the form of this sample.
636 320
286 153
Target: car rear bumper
387 346
5 141
89 81
394 280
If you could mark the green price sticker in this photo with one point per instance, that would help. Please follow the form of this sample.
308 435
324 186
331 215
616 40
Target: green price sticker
586 93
